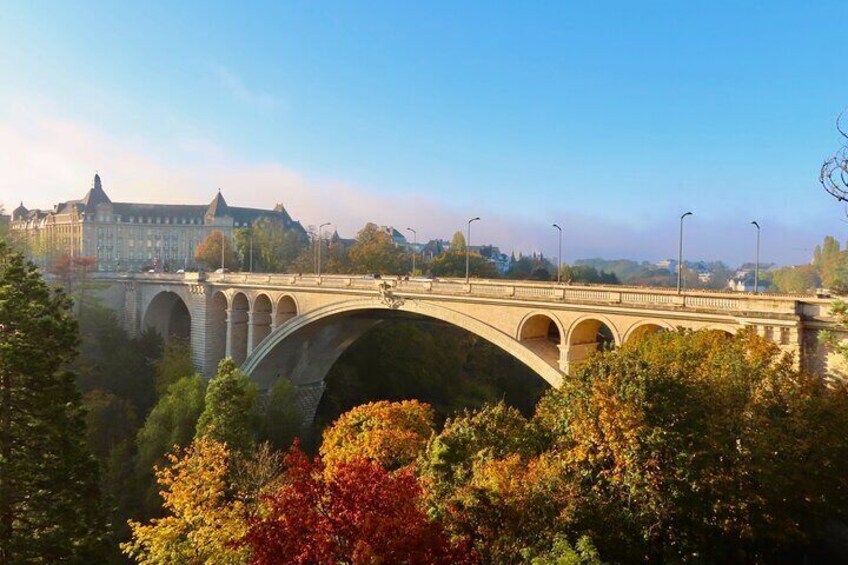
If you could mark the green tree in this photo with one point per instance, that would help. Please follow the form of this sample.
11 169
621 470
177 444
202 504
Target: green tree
174 364
375 252
172 422
493 431
452 264
802 278
562 553
110 421
283 418
457 244
275 247
589 274
208 253
230 414
828 259
49 500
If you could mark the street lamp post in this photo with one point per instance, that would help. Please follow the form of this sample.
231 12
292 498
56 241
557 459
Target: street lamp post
680 255
468 251
559 255
223 245
414 247
757 264
320 230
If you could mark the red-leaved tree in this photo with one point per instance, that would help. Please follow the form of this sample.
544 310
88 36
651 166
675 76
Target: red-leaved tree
362 514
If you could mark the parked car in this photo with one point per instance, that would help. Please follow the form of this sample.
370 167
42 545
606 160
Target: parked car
222 271
372 276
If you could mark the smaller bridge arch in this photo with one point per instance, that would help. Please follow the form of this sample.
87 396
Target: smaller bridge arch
640 330
168 314
586 335
261 320
285 308
238 315
542 333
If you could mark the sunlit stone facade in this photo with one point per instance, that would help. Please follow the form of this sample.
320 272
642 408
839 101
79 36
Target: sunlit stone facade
124 236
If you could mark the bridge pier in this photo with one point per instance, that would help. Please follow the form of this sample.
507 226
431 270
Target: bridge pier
251 329
573 355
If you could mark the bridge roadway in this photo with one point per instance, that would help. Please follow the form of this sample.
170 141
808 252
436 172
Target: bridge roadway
297 326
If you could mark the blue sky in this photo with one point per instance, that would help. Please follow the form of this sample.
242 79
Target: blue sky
609 117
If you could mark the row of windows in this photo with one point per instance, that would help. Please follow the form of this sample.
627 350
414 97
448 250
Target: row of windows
159 220
150 243
150 219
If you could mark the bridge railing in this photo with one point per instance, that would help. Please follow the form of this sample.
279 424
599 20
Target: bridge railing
515 290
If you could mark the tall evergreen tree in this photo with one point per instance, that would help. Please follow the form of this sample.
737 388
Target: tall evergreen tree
230 415
49 501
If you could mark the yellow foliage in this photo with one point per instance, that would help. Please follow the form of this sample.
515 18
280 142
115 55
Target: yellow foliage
202 524
389 433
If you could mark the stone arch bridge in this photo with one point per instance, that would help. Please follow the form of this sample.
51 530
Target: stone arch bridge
297 326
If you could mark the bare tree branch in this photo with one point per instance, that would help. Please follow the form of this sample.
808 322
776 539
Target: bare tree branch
834 172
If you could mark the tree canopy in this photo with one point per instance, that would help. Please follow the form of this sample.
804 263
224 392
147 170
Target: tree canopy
208 252
49 499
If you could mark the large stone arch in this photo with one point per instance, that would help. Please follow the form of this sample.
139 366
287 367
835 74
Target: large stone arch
168 314
305 347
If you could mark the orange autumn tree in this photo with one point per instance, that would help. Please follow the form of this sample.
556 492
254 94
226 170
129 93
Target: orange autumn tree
391 434
699 443
208 252
203 522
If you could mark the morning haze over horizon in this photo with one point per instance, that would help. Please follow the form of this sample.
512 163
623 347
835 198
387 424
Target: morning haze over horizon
611 118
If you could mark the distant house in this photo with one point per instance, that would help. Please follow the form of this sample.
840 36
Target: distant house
434 248
743 281
345 243
668 264
499 260
398 238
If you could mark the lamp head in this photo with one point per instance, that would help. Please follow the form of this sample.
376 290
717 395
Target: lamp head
686 214
756 224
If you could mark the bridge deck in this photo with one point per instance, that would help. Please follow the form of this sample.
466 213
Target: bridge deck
808 306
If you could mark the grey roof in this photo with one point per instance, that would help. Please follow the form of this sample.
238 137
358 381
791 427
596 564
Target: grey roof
96 195
218 207
20 212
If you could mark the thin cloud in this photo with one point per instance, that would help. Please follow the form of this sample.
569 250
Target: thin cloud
46 158
250 96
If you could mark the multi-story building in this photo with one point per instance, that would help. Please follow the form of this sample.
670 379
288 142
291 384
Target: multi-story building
123 236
